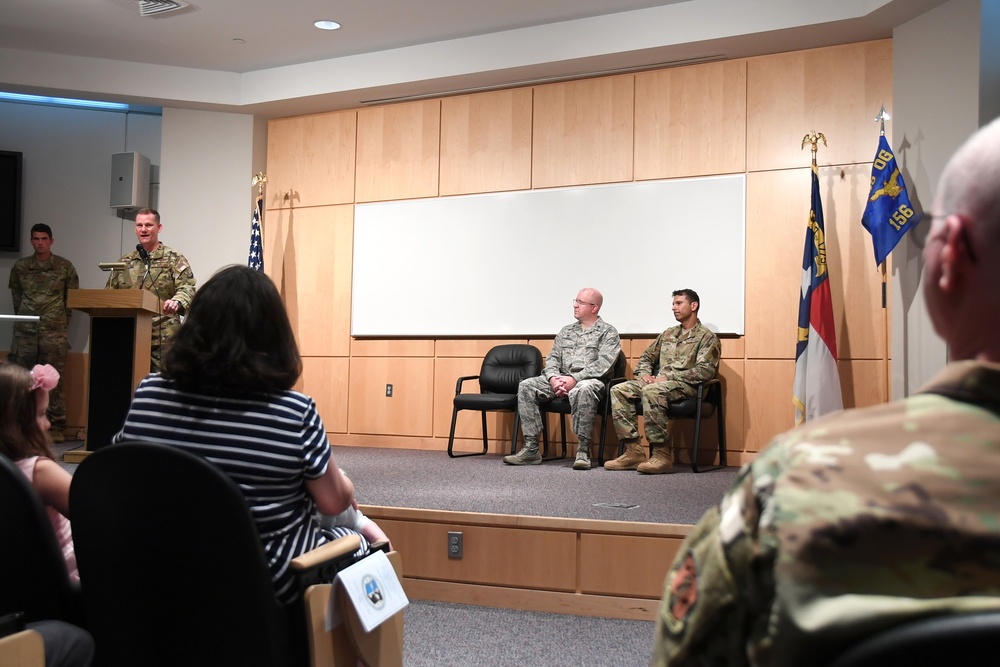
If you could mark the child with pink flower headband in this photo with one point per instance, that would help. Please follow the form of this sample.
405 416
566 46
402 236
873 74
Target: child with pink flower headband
24 400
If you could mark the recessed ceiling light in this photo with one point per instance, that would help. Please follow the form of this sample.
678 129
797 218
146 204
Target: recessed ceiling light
326 25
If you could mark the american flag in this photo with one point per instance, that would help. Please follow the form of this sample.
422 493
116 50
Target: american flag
256 258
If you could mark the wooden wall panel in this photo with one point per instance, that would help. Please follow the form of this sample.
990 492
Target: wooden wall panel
855 281
486 142
583 132
409 411
455 347
691 121
74 380
768 387
370 347
308 255
536 559
622 565
326 380
310 160
835 90
863 382
398 151
777 212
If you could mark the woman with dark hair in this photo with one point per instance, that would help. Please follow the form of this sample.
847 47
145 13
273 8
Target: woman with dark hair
225 394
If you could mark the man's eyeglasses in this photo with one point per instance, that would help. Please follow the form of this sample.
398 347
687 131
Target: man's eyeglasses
577 302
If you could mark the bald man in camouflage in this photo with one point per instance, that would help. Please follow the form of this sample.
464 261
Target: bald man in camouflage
168 276
582 354
866 518
39 285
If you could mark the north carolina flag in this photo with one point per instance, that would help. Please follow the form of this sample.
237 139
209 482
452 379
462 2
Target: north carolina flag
816 390
888 214
256 257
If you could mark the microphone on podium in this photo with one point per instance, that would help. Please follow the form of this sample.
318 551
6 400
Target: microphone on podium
144 256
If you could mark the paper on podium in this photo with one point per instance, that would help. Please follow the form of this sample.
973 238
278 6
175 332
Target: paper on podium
373 588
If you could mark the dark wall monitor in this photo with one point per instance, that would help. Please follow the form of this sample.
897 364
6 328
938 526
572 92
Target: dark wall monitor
10 201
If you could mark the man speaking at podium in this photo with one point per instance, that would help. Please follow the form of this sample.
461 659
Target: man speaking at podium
161 270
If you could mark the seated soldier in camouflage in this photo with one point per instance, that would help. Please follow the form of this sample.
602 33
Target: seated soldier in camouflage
867 518
582 355
679 358
161 270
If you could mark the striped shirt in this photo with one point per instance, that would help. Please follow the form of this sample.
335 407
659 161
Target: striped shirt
269 445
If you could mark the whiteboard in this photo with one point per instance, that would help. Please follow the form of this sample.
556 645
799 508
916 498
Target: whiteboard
510 263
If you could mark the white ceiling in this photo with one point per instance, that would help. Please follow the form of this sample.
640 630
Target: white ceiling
190 58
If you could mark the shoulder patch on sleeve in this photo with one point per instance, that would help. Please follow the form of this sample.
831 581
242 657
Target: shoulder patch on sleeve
682 594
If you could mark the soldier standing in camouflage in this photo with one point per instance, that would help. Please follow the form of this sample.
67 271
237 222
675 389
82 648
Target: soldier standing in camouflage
168 275
582 354
39 284
668 370
867 518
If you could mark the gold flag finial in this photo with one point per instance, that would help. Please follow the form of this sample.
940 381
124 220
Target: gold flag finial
814 138
259 179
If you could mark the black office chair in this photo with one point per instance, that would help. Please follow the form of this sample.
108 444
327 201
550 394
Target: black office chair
955 639
560 406
33 574
504 366
706 402
173 566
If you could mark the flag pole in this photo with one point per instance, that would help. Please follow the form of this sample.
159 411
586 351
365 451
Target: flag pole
883 116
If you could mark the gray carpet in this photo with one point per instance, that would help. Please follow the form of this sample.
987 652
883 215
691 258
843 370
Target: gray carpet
432 480
439 634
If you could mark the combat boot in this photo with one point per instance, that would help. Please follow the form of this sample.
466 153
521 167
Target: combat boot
582 461
630 459
528 456
662 461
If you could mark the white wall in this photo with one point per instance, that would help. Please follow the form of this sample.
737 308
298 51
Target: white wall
936 94
208 161
202 165
67 185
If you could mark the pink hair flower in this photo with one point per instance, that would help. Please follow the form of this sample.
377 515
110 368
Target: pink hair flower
44 377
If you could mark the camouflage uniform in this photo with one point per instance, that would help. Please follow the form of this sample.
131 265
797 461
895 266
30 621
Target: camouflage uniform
40 289
852 523
691 357
585 354
170 277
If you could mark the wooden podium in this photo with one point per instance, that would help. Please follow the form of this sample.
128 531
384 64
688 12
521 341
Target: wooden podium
121 324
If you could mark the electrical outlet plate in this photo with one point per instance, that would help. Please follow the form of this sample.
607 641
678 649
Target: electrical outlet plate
454 544
388 390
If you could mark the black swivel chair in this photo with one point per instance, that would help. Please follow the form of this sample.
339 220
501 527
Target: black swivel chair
33 574
706 402
561 407
173 566
504 366
955 639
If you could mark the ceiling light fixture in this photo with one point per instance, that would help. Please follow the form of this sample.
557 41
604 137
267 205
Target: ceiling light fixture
326 25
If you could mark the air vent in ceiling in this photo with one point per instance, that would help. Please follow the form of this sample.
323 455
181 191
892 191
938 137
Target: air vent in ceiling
155 7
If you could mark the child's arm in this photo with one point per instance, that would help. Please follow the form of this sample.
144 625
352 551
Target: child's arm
52 483
374 534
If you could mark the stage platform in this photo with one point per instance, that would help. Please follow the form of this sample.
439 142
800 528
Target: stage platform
542 538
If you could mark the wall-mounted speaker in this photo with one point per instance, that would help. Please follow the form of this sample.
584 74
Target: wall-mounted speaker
129 180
